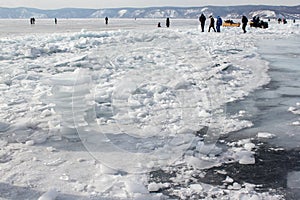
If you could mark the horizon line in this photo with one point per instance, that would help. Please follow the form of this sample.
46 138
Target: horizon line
147 7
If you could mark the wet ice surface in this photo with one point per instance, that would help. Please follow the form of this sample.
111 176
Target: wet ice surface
131 111
274 108
274 113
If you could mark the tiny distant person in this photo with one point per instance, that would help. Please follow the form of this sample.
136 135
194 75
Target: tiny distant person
219 24
279 20
284 21
168 22
55 21
294 21
32 20
158 25
106 20
212 23
202 19
244 22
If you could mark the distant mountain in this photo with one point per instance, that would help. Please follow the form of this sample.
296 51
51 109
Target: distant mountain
289 12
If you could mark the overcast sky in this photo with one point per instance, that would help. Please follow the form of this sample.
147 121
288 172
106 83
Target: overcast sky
53 4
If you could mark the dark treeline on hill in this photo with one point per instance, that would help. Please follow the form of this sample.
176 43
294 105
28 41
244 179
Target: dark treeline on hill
288 12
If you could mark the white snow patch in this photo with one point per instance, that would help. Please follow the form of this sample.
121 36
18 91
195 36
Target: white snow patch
49 195
265 135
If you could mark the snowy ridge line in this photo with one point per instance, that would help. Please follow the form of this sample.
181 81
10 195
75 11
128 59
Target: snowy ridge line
153 12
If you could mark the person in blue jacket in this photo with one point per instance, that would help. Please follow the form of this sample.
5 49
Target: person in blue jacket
219 24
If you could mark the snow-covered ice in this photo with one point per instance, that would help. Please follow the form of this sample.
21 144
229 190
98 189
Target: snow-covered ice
92 110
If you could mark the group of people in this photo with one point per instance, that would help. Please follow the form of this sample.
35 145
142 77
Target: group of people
32 20
167 23
219 23
202 20
282 20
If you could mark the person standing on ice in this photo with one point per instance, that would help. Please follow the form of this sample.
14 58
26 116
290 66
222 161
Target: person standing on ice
55 21
168 22
202 19
212 23
219 24
244 22
106 20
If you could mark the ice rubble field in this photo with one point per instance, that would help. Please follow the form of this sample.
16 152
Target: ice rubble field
87 113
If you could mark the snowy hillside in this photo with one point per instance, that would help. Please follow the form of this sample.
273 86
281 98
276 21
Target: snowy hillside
154 12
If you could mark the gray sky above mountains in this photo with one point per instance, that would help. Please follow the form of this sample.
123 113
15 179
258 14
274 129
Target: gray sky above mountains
54 4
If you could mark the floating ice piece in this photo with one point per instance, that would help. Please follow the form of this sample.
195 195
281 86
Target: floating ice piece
296 123
249 146
55 162
265 135
236 186
294 110
134 187
64 177
196 188
201 163
242 112
246 158
228 180
49 195
51 149
30 143
154 187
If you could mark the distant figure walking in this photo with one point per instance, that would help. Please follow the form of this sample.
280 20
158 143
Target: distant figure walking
32 20
212 23
158 25
294 21
219 24
244 22
168 22
106 20
202 19
55 21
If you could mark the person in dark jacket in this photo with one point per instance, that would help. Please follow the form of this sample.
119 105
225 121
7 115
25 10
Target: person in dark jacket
202 19
106 20
168 22
212 23
244 22
219 24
